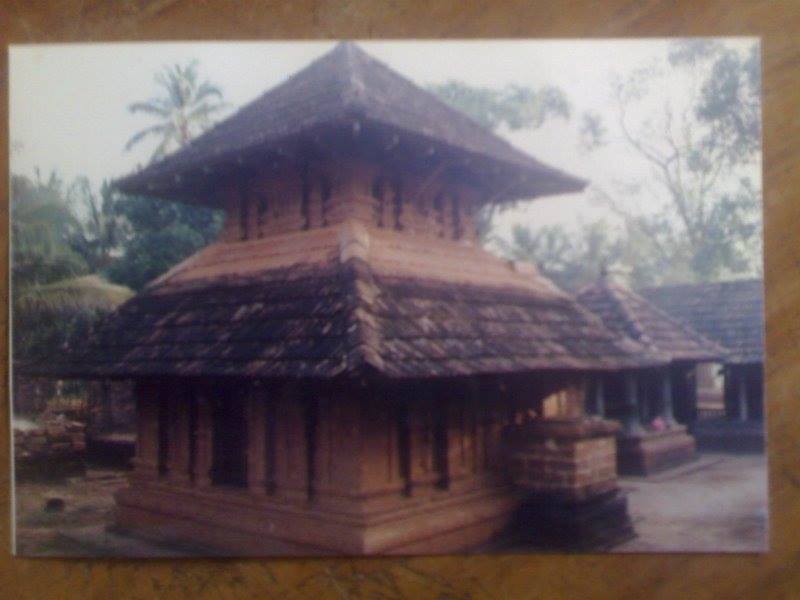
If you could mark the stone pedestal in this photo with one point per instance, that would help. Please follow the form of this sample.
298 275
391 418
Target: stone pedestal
647 452
567 467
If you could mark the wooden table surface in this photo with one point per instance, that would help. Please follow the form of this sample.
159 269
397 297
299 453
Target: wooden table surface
774 575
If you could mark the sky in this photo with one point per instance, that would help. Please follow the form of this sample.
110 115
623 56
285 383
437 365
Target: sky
68 103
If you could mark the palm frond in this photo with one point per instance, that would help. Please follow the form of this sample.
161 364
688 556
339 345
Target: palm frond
206 90
151 107
153 129
204 111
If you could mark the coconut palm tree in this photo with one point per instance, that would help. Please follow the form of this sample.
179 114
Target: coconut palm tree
184 108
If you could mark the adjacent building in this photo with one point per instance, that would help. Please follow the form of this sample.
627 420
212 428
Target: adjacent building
655 404
732 314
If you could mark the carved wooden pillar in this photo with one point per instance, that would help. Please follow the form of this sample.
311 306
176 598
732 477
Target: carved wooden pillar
458 444
179 436
422 473
741 395
667 413
497 416
291 446
204 439
145 462
379 454
256 441
633 422
475 411
599 397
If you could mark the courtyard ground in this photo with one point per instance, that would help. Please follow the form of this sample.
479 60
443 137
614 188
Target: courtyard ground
717 503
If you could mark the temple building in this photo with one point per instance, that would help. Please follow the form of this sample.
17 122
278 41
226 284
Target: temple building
654 404
345 370
732 314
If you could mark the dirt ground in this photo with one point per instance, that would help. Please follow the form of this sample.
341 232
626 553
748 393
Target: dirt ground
80 527
87 501
715 504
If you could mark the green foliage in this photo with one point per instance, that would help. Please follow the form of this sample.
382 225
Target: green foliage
183 109
99 232
41 223
161 235
570 259
515 106
54 302
731 104
730 234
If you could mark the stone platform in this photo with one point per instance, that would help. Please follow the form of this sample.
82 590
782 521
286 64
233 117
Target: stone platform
729 435
597 524
237 523
652 451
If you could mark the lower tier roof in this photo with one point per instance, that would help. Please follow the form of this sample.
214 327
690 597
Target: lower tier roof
348 302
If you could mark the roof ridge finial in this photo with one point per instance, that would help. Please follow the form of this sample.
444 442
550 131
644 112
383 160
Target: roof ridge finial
355 89
615 273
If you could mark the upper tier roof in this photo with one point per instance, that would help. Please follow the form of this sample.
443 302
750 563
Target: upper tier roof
729 312
627 313
344 301
348 95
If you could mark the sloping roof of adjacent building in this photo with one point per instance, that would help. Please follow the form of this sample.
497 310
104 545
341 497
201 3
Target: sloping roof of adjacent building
348 89
728 312
629 314
324 303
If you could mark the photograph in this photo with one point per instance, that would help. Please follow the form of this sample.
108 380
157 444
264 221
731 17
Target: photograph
383 297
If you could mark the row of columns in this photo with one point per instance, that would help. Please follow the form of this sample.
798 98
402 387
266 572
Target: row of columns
190 454
355 447
632 420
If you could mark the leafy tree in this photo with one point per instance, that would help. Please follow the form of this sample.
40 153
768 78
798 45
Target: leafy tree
41 223
99 232
54 300
703 155
592 131
183 109
571 259
517 107
513 106
161 235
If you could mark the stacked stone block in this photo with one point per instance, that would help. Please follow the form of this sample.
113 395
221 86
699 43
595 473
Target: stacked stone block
54 447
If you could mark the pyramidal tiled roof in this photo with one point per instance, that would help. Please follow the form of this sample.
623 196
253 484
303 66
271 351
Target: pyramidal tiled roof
343 88
626 312
330 302
729 312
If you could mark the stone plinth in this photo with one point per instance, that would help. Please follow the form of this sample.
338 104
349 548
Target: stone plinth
647 452
568 460
729 435
236 522
567 467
